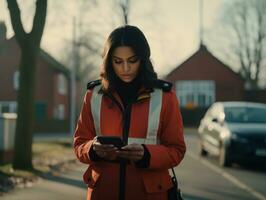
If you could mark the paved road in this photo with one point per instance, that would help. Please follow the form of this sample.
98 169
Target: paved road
203 179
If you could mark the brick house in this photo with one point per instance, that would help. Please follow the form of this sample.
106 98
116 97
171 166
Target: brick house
201 80
52 89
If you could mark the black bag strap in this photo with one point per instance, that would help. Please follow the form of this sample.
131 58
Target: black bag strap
174 177
177 194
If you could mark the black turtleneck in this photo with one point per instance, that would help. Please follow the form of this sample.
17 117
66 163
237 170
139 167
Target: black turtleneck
127 91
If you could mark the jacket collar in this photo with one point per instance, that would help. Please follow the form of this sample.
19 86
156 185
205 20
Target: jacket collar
143 94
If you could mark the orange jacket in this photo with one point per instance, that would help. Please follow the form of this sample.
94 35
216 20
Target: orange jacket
153 182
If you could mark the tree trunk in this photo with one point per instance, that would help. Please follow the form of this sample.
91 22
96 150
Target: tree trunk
24 129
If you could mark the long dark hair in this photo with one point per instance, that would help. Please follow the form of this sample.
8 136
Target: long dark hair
133 37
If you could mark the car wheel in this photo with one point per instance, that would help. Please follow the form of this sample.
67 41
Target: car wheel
203 152
224 158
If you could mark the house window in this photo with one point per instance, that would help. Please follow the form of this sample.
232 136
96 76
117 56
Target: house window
199 93
8 107
5 109
62 84
13 107
59 112
16 80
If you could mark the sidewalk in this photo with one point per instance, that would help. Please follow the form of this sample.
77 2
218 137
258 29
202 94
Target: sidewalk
67 185
52 137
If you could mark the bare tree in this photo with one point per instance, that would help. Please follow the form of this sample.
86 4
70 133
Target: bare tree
30 45
86 54
246 20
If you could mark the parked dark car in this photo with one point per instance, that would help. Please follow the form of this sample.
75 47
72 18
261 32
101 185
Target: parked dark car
235 131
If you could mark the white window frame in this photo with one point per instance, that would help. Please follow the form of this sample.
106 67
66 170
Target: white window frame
61 111
62 84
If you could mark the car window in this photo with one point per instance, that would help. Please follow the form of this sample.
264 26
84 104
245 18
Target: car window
245 114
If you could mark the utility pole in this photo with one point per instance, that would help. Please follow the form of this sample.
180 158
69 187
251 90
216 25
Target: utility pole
73 82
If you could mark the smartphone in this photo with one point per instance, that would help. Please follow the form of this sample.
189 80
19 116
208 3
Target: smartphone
114 140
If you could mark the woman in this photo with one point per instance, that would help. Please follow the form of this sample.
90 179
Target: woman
130 102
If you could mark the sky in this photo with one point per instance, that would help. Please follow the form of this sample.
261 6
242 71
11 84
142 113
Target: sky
171 26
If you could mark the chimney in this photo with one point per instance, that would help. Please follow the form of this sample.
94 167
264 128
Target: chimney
2 31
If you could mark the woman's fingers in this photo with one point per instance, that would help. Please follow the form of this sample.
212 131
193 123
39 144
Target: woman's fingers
133 152
130 157
133 147
109 155
130 153
103 147
104 150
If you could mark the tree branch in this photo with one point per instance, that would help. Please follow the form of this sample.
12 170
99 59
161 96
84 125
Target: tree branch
259 43
91 48
124 5
239 50
14 12
39 20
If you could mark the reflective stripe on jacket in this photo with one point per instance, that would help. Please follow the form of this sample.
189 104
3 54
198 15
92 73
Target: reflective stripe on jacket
153 116
153 182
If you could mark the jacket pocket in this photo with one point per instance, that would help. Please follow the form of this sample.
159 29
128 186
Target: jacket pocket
91 176
156 181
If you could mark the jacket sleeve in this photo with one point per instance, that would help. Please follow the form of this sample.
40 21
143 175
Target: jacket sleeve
171 149
85 132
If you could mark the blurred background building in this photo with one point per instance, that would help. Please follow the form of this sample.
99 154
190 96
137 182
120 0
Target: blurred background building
52 90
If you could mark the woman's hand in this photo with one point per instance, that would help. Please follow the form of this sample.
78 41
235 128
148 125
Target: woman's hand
105 151
132 152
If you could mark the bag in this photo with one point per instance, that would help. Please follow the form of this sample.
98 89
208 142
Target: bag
174 193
